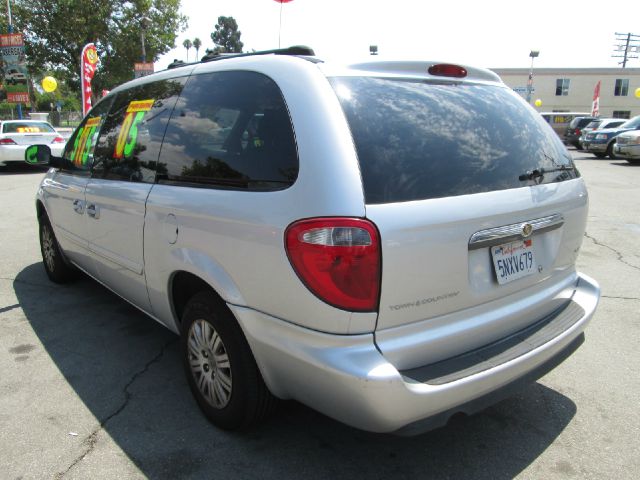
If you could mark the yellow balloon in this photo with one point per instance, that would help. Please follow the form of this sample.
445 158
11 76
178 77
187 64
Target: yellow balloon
49 84
638 92
538 103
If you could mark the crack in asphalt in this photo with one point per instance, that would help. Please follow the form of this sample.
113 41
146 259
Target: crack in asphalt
620 298
10 307
92 439
618 254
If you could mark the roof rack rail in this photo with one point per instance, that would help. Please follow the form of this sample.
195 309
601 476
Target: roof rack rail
294 50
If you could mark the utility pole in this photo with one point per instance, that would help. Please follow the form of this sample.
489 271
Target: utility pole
533 54
628 46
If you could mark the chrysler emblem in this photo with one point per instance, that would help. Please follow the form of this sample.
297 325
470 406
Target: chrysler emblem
527 230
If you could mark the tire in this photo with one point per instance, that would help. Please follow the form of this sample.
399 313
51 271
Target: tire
220 368
600 155
633 161
610 153
55 265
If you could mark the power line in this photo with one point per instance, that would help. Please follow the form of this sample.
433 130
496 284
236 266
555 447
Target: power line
628 46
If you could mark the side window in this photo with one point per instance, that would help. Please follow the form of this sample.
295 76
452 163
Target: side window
129 143
562 87
621 88
80 147
230 130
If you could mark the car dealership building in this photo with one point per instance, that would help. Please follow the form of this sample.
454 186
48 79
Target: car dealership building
572 89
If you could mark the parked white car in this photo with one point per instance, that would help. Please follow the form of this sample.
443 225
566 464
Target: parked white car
17 135
390 243
628 146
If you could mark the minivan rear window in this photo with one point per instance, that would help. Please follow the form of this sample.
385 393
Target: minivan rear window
418 140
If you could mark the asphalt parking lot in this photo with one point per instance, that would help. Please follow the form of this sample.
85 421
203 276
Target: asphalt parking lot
91 388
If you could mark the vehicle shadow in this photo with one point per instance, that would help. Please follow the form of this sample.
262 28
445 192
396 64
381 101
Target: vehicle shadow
19 169
625 164
588 156
126 370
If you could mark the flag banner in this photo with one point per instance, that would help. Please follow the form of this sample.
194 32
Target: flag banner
14 65
88 66
595 106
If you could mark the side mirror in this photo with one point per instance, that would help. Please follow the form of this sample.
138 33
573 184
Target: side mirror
37 155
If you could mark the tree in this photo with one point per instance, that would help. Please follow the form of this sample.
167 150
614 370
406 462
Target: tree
56 31
187 44
227 36
197 44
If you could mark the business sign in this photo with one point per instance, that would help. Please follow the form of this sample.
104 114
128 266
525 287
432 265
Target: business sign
88 66
14 66
523 89
142 69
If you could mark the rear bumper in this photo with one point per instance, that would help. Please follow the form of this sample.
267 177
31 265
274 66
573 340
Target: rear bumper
596 147
15 153
347 378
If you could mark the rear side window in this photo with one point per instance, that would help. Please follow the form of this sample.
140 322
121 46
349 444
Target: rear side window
417 140
27 127
80 147
130 140
230 130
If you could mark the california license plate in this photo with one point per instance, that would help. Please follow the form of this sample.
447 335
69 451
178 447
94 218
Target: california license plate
513 260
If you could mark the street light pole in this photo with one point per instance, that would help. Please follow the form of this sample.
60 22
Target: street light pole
144 24
533 54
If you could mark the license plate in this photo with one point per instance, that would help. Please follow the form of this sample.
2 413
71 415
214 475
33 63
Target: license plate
513 260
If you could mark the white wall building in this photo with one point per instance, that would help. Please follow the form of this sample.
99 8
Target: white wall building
571 89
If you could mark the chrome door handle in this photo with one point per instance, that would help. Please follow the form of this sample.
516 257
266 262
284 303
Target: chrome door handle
93 210
78 206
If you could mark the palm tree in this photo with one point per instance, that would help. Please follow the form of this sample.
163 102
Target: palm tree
187 44
197 44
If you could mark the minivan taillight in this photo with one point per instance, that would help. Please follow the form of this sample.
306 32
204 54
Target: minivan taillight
338 259
58 140
7 141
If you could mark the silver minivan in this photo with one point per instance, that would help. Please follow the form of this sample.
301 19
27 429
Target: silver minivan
389 243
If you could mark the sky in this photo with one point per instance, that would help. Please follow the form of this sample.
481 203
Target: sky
483 33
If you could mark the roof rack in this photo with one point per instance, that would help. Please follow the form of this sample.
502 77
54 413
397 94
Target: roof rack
295 50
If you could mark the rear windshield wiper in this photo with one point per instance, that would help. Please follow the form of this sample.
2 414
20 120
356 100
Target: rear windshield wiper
540 172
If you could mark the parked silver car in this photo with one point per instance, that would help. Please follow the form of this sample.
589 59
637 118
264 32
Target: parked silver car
628 146
390 243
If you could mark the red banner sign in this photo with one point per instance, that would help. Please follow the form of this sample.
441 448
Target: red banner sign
17 97
88 65
11 40
595 106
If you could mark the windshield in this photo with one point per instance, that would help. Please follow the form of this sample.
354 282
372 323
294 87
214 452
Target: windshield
633 123
417 140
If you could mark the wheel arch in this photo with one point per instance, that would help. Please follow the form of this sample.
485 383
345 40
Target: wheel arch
183 286
40 210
